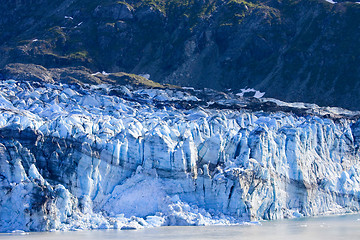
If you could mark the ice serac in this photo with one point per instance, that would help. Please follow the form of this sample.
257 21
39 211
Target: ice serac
81 158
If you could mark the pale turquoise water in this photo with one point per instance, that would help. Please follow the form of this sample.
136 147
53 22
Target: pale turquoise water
327 228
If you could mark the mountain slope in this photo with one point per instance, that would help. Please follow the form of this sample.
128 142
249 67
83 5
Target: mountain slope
292 50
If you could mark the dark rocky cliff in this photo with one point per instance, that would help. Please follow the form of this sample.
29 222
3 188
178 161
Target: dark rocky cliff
293 50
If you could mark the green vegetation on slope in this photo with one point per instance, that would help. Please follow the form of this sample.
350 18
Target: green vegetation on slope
294 50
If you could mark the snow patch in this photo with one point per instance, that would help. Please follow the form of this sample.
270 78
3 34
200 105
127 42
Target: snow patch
256 94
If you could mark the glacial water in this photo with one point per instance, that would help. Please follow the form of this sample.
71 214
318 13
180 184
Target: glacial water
329 228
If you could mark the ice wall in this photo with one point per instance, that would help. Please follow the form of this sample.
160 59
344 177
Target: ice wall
83 158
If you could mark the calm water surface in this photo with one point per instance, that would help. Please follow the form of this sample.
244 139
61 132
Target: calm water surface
328 228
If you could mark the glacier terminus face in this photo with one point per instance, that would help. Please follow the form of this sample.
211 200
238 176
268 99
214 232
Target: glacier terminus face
98 157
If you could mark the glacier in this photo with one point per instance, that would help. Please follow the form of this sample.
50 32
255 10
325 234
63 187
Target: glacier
98 157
